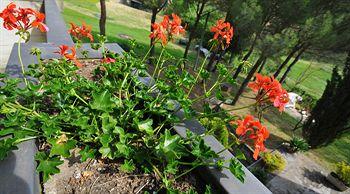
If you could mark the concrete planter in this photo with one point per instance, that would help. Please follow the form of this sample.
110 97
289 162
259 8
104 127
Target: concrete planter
335 180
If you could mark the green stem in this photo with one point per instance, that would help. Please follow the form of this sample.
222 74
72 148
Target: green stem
187 171
149 50
20 60
228 110
160 57
25 139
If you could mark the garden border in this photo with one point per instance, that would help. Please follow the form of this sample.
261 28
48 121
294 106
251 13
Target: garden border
17 165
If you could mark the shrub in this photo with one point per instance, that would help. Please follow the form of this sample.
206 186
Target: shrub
298 144
343 171
274 161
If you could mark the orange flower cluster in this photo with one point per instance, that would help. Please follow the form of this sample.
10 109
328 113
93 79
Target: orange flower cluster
166 29
253 133
70 56
223 32
22 19
79 32
270 87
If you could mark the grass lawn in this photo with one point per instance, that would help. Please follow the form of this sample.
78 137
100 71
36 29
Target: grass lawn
135 23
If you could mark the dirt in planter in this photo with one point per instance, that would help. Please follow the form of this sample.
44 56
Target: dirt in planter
98 176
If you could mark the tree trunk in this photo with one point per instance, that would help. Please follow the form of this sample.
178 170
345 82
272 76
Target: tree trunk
153 20
262 66
103 17
284 76
248 78
193 30
295 49
246 57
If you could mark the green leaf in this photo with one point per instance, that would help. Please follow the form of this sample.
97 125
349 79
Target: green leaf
61 147
236 169
146 126
128 166
6 145
170 146
4 132
102 101
208 189
172 167
47 165
87 153
200 150
105 139
123 149
108 123
106 152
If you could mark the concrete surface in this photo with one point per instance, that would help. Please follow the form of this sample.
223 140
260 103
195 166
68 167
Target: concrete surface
302 176
8 38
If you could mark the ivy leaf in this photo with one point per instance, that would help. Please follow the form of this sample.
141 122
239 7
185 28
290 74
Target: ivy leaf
61 147
123 149
105 139
102 101
172 167
87 153
236 169
6 145
108 123
128 166
200 150
106 152
47 165
146 126
170 146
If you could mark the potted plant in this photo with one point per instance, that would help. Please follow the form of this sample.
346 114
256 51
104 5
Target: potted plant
341 177
102 109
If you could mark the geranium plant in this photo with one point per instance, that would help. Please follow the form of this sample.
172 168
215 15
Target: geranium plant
112 114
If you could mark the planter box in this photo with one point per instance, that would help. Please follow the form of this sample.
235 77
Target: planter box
335 180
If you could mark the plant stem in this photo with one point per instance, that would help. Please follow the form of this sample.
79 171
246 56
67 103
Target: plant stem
149 50
20 60
160 57
216 113
25 139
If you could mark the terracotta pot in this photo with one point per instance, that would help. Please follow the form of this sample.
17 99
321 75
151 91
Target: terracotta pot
335 180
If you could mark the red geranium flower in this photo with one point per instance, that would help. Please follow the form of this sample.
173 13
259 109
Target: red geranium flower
108 60
70 56
80 32
269 89
223 32
166 29
22 19
253 133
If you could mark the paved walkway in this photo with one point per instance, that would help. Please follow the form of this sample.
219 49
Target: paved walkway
302 175
8 38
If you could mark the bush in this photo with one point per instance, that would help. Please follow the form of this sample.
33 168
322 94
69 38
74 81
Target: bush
274 161
298 144
343 171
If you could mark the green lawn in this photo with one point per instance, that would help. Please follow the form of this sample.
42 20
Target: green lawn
135 23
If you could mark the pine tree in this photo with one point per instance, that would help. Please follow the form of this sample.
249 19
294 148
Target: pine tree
330 117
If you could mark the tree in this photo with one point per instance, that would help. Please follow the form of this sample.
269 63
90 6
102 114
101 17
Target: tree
200 5
269 47
103 17
156 6
330 117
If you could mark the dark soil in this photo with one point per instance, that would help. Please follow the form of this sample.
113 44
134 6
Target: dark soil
99 176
